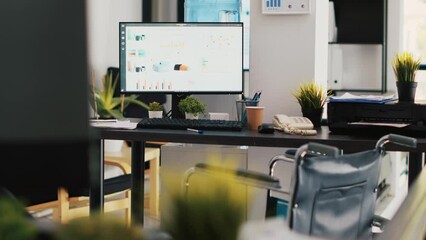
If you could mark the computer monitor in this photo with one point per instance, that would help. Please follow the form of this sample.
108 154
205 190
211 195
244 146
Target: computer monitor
181 58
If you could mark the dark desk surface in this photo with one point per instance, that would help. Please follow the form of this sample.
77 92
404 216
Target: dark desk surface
347 143
252 138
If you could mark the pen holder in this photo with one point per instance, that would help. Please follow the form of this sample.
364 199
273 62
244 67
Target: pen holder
241 108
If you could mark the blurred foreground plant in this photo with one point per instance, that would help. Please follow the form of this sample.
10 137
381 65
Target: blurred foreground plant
98 227
213 208
14 224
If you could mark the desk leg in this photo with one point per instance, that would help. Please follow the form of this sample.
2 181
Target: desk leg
154 188
415 166
138 179
96 173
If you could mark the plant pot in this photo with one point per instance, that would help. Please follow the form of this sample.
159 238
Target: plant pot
315 115
191 116
406 91
155 114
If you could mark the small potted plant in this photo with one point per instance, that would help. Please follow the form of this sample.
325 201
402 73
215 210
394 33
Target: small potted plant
106 105
192 107
311 98
155 110
405 67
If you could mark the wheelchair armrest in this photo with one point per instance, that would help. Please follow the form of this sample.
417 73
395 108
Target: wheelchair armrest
247 176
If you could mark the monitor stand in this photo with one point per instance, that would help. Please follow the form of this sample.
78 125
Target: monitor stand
176 97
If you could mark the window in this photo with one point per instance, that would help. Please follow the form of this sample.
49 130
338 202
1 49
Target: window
414 38
213 10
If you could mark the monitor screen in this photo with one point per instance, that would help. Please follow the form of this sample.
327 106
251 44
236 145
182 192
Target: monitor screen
181 58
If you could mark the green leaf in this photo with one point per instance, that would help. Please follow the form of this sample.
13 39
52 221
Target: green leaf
310 96
107 105
405 66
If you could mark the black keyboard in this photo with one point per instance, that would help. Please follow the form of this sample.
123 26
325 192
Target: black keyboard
200 124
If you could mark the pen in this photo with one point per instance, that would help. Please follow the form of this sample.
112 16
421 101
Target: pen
257 96
195 130
254 98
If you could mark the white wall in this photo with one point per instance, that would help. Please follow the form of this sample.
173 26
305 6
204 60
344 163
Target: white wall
103 17
286 50
395 22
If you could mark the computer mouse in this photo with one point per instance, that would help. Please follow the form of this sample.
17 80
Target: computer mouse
266 128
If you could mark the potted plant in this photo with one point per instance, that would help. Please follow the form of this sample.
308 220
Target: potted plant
192 107
155 110
405 67
106 105
311 98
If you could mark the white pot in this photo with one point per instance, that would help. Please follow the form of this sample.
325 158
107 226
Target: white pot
191 116
111 145
155 114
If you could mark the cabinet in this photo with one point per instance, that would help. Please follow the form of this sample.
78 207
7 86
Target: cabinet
357 51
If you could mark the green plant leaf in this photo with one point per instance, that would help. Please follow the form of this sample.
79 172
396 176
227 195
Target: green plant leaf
405 67
14 224
310 96
108 106
132 99
155 106
191 104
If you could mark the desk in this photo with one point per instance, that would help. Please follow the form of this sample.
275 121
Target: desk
246 138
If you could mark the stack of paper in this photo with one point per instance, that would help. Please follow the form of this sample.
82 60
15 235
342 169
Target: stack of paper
113 123
348 97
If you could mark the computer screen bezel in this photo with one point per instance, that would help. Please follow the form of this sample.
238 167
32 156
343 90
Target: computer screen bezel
224 92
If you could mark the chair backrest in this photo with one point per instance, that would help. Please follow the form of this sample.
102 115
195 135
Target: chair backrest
44 128
334 196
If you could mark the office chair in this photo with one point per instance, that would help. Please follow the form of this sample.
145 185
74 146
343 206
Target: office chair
74 203
134 111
